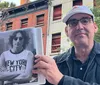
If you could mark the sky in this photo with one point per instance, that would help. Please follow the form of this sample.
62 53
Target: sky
17 2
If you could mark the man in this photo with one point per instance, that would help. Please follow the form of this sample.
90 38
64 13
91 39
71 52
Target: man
16 64
81 64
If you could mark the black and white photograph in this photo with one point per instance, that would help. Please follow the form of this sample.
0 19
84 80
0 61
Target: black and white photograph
17 51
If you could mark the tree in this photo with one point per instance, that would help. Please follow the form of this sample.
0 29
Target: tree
3 13
96 12
6 4
12 4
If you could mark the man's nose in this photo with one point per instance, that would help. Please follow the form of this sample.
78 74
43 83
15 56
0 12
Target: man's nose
80 25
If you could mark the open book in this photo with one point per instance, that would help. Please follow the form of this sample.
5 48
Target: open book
17 50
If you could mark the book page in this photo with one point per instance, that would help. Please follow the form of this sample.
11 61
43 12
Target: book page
17 51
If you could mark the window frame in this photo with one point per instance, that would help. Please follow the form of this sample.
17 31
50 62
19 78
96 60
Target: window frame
77 2
24 23
9 26
41 18
57 12
55 48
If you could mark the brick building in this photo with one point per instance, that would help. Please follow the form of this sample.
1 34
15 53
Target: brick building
31 14
46 15
57 42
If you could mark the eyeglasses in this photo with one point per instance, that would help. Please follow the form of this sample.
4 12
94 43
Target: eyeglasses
16 38
74 22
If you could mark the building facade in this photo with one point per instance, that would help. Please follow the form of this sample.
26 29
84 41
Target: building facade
48 15
33 14
57 42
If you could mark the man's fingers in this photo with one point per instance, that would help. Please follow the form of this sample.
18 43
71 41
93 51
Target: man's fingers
47 66
41 64
42 58
39 71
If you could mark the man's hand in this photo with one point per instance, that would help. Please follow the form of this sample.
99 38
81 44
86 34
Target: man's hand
47 66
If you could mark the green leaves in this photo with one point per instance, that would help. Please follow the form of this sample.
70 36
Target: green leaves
96 11
6 4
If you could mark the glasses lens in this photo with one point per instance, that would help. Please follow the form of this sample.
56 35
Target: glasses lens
16 38
20 38
85 20
73 22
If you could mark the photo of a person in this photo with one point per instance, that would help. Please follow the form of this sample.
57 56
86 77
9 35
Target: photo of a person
16 64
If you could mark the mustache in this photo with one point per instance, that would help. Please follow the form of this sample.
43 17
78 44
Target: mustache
79 31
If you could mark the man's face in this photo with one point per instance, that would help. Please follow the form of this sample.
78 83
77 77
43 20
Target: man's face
81 29
18 41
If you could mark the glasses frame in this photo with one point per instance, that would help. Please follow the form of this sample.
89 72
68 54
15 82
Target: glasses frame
74 22
20 38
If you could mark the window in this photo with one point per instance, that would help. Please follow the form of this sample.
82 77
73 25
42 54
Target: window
57 12
77 2
24 23
56 38
40 19
9 26
94 1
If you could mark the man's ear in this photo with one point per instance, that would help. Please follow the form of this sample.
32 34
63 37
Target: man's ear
66 30
96 27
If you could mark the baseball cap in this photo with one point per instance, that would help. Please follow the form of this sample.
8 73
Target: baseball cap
78 9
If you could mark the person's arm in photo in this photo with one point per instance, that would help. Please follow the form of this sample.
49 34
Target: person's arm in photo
4 74
27 74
